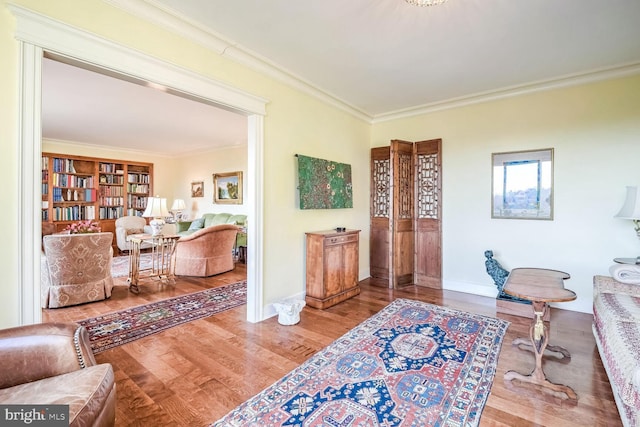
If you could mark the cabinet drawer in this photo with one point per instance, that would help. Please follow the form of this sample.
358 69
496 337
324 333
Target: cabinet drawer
339 240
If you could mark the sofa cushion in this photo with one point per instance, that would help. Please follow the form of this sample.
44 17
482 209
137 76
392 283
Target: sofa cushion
621 307
212 219
197 224
88 392
237 220
619 339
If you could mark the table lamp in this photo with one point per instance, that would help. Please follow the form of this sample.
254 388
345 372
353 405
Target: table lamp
156 209
631 208
178 206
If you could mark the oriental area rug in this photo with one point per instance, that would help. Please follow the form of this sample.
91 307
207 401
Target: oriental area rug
121 327
411 364
120 264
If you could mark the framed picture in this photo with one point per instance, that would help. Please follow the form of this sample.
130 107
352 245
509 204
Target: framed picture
522 185
197 189
227 188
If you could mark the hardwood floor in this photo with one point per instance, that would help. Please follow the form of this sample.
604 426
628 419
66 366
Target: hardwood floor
193 374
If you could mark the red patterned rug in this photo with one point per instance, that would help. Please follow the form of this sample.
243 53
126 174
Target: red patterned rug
412 364
121 327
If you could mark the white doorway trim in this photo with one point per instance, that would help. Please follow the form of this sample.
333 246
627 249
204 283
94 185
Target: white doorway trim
38 34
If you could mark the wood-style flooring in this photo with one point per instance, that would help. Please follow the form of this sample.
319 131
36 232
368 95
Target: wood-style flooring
193 374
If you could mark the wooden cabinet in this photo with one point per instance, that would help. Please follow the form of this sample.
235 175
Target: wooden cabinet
332 267
78 188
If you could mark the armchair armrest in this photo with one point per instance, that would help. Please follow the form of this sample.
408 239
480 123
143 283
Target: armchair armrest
33 352
609 284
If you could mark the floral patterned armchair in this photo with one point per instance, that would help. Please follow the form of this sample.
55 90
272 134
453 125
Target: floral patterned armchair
76 268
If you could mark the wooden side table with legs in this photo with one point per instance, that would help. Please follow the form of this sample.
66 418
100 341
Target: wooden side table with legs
162 248
540 286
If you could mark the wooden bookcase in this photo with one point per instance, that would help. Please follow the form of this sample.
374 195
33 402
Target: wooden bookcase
77 188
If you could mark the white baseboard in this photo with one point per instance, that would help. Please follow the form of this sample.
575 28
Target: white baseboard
470 288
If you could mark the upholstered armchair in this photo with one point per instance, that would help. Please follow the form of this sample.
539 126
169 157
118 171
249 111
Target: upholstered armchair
52 363
76 268
126 226
206 252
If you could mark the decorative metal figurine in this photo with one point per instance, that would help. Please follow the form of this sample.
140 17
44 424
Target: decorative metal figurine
499 276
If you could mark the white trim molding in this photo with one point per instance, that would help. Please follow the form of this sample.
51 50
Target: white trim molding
38 34
159 14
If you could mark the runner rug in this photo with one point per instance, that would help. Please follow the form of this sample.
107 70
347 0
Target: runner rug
121 327
412 364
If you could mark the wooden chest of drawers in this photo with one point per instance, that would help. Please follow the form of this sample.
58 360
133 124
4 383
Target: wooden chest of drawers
332 267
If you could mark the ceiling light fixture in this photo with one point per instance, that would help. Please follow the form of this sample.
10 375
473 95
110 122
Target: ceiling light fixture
425 2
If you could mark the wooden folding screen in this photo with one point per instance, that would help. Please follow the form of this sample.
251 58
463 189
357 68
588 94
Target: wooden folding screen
405 213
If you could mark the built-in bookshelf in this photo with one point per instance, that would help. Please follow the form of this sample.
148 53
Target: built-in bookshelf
76 188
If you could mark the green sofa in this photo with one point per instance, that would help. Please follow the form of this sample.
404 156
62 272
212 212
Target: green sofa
185 228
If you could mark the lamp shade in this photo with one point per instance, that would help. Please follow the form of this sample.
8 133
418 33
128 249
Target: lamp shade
631 207
178 205
156 208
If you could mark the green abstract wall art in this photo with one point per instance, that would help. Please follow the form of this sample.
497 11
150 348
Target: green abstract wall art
324 184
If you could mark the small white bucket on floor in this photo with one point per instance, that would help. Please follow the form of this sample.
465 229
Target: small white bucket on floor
288 311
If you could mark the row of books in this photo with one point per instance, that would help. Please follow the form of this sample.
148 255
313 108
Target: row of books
78 195
112 191
73 213
137 188
138 177
114 212
65 180
111 168
111 201
112 179
134 212
136 201
61 165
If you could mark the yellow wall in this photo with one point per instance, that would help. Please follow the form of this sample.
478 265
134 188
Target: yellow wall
295 123
594 129
595 132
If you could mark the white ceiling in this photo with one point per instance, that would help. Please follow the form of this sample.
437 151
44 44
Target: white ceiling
381 57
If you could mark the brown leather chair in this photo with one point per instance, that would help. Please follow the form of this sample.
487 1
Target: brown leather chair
52 363
206 252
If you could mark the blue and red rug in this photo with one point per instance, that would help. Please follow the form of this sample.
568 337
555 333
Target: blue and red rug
412 364
121 327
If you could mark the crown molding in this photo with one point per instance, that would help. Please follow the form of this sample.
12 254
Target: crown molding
169 19
593 76
156 13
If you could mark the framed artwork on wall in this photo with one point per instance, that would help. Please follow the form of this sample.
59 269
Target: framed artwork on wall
522 185
197 189
227 188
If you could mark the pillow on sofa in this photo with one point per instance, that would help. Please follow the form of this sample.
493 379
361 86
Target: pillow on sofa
134 231
197 224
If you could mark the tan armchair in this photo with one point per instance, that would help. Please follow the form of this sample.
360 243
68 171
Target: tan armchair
52 363
206 252
126 226
76 268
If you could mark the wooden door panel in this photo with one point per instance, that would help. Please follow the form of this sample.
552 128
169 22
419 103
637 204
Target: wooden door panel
350 257
380 210
402 239
428 223
333 269
379 251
